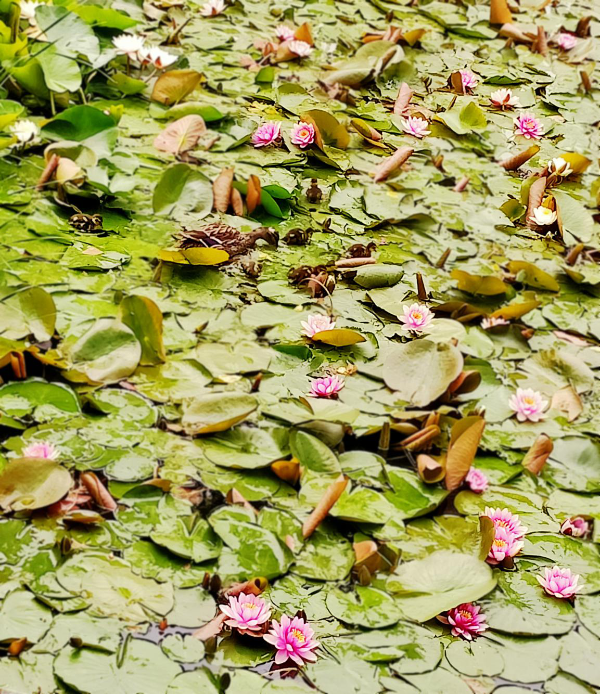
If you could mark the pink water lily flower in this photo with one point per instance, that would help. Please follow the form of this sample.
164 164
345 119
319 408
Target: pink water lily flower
300 48
466 620
469 80
566 41
326 387
303 134
560 583
293 639
575 527
317 323
284 33
493 322
267 134
528 126
41 449
528 404
415 126
503 518
504 546
246 612
416 317
476 480
504 98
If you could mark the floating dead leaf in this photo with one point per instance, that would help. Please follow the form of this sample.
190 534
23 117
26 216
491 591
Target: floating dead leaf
517 160
568 401
173 86
237 202
499 12
536 195
98 491
287 470
338 337
515 310
194 256
327 502
421 439
391 164
532 275
464 441
576 161
538 454
413 36
303 33
328 130
485 285
181 135
236 498
253 194
222 189
405 94
487 531
364 129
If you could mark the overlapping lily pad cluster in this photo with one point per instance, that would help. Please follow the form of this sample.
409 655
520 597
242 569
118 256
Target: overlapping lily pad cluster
299 345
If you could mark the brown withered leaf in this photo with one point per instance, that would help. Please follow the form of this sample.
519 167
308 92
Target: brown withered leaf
287 470
236 498
464 441
222 189
517 160
405 94
98 491
181 135
253 194
391 164
567 400
326 503
174 85
538 454
237 203
303 33
536 195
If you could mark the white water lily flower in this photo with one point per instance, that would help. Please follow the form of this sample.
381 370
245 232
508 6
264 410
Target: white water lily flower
26 131
300 48
129 45
157 57
543 216
212 8
28 8
559 167
504 98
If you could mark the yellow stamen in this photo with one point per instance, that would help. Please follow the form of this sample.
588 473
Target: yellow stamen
298 635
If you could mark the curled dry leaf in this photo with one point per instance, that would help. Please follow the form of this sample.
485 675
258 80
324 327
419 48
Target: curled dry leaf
303 33
430 469
181 135
48 171
98 491
253 194
391 164
355 262
510 31
568 401
238 499
540 45
237 203
405 94
464 441
517 160
538 454
287 470
422 438
256 586
328 500
461 185
536 195
222 189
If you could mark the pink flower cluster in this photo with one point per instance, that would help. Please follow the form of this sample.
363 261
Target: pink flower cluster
466 620
560 583
417 127
327 387
469 80
293 638
416 318
508 535
303 135
566 41
528 404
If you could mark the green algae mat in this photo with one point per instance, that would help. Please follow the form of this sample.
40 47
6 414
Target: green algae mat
299 341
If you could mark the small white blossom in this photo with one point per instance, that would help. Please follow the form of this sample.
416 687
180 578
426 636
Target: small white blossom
493 322
26 132
157 57
28 8
129 44
504 98
300 48
212 8
543 216
559 167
